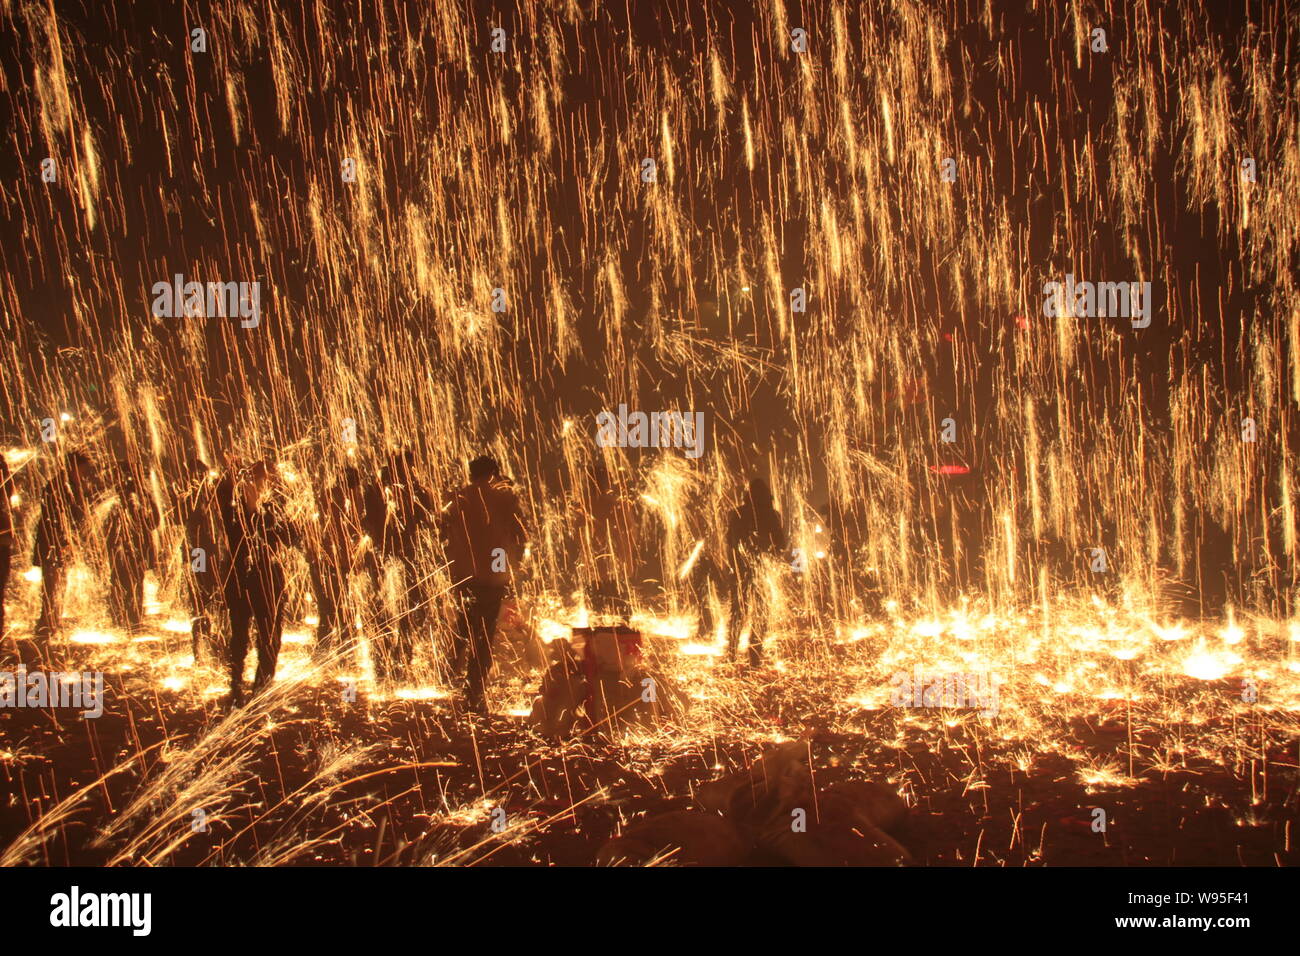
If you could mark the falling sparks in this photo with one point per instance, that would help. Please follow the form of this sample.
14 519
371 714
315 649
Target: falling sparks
460 251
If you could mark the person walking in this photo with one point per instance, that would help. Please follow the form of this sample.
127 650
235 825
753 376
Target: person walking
65 505
255 587
205 554
485 535
754 532
129 538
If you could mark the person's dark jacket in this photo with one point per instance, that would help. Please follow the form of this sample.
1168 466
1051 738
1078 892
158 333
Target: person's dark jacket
65 505
754 530
253 535
481 518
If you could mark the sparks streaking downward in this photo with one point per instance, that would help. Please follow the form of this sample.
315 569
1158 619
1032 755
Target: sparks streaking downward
832 251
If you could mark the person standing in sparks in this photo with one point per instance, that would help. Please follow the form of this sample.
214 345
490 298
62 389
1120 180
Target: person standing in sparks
332 545
204 553
410 512
6 535
609 528
255 587
754 532
65 507
484 532
129 537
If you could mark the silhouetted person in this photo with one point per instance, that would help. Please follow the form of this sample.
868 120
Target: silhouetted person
610 536
754 531
485 537
373 517
6 535
704 580
206 559
65 504
255 585
128 534
410 511
332 552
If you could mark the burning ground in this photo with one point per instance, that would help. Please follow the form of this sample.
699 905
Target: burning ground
1097 707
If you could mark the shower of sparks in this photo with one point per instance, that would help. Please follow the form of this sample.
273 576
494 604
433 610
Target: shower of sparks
521 171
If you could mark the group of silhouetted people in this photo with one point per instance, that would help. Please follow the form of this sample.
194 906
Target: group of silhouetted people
236 533
755 533
235 544
237 537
